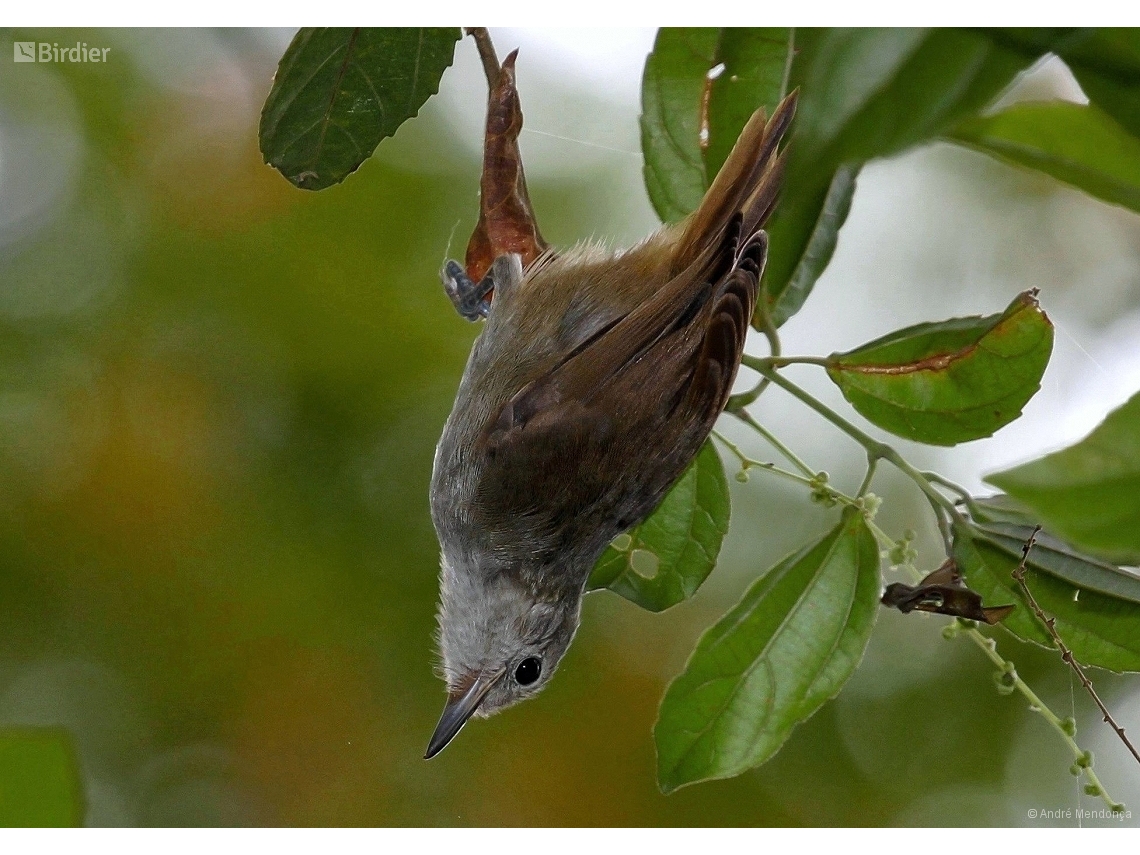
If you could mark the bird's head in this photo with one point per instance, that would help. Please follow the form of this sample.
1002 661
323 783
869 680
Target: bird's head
499 643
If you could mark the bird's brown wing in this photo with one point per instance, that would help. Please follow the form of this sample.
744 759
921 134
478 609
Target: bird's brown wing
690 332
602 436
747 185
604 432
689 335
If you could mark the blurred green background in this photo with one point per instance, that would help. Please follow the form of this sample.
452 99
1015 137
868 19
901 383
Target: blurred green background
219 399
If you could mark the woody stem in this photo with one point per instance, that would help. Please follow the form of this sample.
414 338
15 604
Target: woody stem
486 53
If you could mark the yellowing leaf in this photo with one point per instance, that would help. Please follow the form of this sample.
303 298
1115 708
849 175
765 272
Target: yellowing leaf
949 382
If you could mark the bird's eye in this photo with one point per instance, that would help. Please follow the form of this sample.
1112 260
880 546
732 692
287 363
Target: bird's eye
528 670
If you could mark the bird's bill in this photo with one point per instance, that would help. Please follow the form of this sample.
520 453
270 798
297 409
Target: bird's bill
461 705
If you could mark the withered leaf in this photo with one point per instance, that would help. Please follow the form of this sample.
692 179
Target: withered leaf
942 592
506 219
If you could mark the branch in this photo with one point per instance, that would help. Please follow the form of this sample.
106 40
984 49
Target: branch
813 480
486 53
1066 730
1066 653
874 448
1011 681
788 454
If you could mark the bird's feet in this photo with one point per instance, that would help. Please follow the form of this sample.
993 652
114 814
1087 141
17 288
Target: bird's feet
468 296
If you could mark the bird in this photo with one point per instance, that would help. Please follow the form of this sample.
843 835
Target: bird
593 384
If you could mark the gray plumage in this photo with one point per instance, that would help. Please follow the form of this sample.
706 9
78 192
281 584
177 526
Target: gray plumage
595 381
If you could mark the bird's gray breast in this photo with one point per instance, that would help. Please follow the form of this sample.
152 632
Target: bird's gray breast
533 497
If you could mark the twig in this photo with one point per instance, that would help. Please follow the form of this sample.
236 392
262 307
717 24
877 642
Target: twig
943 526
872 464
788 454
873 447
486 53
1084 763
1066 653
1066 730
947 483
810 480
866 503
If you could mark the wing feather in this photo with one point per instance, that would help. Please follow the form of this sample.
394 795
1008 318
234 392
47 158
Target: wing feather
607 428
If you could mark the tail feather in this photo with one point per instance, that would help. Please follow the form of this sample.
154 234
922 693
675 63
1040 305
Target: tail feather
748 183
758 207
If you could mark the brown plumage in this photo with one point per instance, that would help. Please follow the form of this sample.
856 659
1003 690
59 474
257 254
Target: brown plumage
590 390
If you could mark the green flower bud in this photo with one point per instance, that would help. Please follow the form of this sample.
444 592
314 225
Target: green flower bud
823 497
1006 682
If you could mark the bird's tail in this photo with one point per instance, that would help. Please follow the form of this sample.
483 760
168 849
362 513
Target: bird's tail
748 183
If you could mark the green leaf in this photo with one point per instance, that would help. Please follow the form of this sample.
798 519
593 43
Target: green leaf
1101 630
1089 493
803 236
999 508
682 537
787 647
1035 42
1076 144
690 118
1105 61
40 783
1108 68
949 382
339 91
1057 558
1112 52
865 93
672 94
872 92
755 60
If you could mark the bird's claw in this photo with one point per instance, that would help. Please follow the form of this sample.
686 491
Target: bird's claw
469 297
